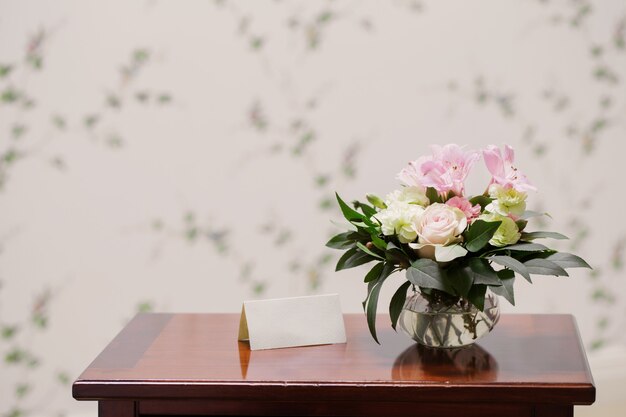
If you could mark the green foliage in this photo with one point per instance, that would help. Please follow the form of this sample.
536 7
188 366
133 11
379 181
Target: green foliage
145 307
15 412
40 320
539 266
22 389
513 264
374 273
18 130
567 260
507 278
537 235
8 332
17 355
367 210
63 378
364 248
461 271
479 234
433 195
140 55
529 214
10 95
397 255
256 43
376 201
483 272
461 279
5 70
476 296
425 273
524 247
353 257
397 303
482 200
350 214
371 302
343 240
91 120
164 98
59 122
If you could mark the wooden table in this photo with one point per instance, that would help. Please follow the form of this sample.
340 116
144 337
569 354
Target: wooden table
192 364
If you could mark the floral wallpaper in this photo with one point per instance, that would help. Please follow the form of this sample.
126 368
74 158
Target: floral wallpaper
159 156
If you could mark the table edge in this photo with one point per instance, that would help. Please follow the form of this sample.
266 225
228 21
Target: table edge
570 393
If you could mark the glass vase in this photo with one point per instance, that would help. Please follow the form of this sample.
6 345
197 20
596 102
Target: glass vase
438 323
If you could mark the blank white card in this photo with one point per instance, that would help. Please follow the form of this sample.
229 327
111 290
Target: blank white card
289 322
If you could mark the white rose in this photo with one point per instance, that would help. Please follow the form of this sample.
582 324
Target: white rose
507 234
439 225
409 195
399 219
506 201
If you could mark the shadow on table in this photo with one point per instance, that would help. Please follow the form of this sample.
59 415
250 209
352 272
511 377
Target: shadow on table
470 363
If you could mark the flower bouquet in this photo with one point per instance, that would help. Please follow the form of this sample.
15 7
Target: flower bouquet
459 252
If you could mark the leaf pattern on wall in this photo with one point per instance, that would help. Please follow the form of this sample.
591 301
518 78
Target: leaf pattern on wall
290 118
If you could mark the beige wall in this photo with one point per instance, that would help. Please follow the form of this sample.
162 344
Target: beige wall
231 111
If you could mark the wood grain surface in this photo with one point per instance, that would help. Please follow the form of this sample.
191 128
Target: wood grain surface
159 362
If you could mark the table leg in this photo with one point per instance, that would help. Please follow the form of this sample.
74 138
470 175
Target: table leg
117 408
550 410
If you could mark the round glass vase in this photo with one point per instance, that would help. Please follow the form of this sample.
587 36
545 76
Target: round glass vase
440 323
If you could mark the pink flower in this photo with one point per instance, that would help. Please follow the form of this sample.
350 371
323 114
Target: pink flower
411 176
503 171
471 212
444 171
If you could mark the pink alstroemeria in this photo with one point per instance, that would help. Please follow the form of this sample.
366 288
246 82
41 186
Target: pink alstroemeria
446 170
411 175
463 204
503 171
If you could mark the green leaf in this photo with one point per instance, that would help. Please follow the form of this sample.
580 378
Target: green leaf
342 240
7 332
513 264
353 257
433 195
476 296
526 247
349 213
63 378
396 254
568 260
521 224
369 252
397 303
426 273
372 300
448 253
10 95
378 242
540 266
479 233
507 277
21 390
374 272
483 272
5 70
461 279
482 200
529 214
367 210
376 201
538 235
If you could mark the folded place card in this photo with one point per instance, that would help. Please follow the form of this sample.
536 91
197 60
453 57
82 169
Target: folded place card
289 322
